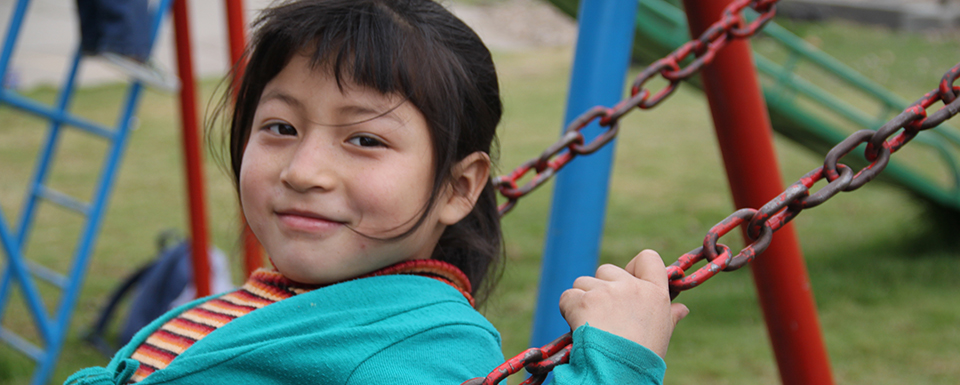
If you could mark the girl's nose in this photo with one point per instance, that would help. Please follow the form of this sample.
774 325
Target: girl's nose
310 168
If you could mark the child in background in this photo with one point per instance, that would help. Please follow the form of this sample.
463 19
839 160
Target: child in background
360 141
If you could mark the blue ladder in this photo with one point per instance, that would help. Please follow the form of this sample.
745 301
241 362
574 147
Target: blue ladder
52 329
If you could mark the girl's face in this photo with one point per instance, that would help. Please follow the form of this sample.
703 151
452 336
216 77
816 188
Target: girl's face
323 164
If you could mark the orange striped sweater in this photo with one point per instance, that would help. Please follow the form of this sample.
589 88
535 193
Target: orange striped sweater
261 289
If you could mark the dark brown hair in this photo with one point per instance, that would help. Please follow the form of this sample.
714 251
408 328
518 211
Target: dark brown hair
412 48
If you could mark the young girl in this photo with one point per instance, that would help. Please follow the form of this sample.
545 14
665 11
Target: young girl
360 142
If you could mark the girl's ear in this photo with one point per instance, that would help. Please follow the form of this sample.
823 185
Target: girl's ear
469 177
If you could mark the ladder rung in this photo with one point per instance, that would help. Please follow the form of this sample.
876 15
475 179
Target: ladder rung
47 274
19 343
47 112
62 199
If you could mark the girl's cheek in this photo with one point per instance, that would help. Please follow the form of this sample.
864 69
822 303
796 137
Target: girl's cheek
247 178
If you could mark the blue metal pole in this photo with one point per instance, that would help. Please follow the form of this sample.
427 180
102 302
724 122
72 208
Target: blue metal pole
10 41
87 239
45 157
53 114
102 196
579 201
17 269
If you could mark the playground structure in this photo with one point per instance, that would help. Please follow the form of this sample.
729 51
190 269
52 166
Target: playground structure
573 109
26 274
744 135
18 270
800 109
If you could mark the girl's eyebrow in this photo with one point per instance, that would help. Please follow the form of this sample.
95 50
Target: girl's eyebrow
356 110
282 97
367 114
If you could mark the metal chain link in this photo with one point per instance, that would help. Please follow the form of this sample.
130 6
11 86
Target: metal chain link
571 144
760 223
780 210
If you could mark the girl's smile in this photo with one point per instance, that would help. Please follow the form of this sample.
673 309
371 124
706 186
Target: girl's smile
305 221
332 175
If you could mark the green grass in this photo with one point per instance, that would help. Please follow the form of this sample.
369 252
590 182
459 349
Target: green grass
149 197
882 267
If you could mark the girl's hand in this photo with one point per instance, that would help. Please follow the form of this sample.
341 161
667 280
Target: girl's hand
633 303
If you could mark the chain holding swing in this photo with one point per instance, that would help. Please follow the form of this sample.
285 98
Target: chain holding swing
760 223
571 144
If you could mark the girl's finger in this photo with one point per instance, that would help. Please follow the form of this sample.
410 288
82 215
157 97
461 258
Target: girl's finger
648 266
609 272
568 299
586 283
678 311
570 295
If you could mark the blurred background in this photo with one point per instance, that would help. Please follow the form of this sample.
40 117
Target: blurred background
882 260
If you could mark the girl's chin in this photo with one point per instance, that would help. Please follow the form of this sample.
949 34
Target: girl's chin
312 273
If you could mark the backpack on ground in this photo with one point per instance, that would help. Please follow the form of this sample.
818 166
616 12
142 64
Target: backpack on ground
160 285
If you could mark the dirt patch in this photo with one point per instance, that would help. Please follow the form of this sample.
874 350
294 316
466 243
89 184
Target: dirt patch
516 25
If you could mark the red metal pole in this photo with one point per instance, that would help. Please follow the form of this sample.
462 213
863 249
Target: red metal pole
744 132
236 27
236 30
191 149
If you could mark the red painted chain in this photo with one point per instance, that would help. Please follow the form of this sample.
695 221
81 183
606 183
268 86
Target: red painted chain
538 362
571 144
760 223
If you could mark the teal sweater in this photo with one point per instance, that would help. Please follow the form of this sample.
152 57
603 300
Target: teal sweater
396 329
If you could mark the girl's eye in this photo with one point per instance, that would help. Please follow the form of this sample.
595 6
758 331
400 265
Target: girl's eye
282 129
365 141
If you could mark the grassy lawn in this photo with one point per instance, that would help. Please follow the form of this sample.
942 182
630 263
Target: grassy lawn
882 266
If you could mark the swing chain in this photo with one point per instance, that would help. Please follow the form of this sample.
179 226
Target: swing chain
760 223
538 362
571 143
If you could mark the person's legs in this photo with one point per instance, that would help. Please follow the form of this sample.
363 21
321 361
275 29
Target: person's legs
124 28
89 26
118 32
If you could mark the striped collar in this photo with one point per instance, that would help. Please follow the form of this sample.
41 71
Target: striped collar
276 284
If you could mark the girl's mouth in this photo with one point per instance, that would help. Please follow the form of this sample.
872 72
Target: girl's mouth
301 221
